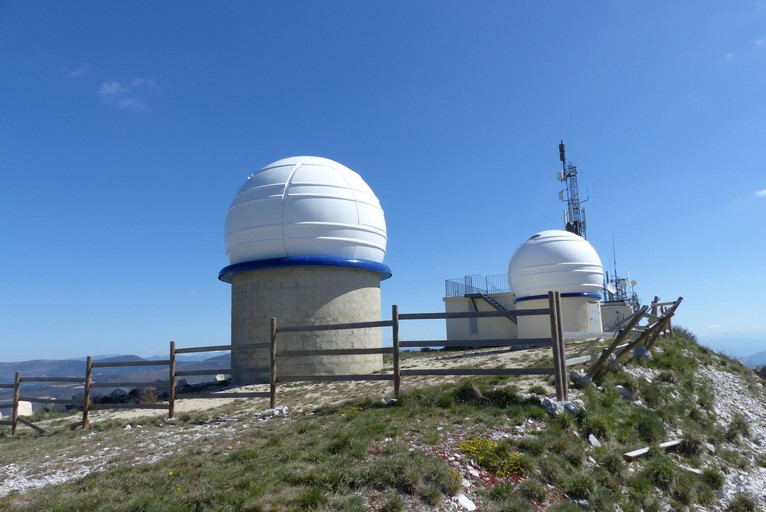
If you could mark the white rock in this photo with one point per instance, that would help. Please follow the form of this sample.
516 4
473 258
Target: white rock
465 502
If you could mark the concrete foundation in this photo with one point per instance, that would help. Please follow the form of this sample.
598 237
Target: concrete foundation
578 315
304 296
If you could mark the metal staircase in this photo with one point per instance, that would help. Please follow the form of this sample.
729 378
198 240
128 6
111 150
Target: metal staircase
492 302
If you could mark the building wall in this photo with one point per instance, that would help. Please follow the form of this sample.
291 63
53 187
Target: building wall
614 314
578 315
485 328
304 296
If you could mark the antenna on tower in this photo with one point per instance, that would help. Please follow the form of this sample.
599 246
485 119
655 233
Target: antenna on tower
574 216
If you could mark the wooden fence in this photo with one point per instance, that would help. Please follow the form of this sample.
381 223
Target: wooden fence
647 335
556 342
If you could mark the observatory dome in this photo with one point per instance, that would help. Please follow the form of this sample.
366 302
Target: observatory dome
305 210
555 260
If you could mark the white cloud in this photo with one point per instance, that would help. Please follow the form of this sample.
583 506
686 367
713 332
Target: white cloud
760 42
128 95
760 193
132 104
79 71
112 89
729 56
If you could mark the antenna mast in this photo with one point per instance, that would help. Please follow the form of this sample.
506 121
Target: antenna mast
574 216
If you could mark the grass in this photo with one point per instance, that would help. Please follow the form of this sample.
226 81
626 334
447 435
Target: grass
348 456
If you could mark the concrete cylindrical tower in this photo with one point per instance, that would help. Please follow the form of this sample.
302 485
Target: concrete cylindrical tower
305 237
557 261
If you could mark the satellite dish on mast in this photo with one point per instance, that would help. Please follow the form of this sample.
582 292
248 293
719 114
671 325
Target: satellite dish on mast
611 288
633 282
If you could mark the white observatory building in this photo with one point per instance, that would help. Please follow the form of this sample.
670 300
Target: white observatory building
305 238
563 262
552 260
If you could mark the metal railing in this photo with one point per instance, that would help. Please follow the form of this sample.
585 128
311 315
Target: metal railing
476 283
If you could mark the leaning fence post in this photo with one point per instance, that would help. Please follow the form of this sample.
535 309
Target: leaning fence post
395 336
172 381
16 397
555 345
273 369
86 391
621 335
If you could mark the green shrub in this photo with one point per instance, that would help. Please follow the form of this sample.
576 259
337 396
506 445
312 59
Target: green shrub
410 472
600 425
693 443
649 428
564 506
538 390
350 504
705 398
429 493
714 478
533 489
501 491
661 471
580 485
393 504
743 503
684 490
613 462
552 469
311 499
738 427
569 447
531 445
514 504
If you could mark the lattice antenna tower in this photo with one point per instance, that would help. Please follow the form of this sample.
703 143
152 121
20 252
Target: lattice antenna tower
574 216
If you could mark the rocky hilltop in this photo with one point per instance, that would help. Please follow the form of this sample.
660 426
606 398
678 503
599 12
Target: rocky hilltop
682 428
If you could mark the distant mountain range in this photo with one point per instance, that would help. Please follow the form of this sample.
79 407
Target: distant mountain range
76 368
754 360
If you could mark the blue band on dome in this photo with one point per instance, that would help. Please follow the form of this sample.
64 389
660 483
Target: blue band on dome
226 273
592 295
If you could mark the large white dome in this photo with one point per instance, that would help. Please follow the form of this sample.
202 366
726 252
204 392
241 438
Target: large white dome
305 206
555 260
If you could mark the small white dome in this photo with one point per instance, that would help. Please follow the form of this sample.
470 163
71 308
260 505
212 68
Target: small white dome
555 260
305 206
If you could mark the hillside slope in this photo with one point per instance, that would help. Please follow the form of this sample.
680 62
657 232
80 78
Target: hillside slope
483 443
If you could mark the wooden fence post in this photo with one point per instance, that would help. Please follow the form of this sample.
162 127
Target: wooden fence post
172 381
16 397
554 320
273 369
395 336
562 349
669 314
86 392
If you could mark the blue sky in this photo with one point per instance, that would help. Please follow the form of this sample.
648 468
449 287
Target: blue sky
127 128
